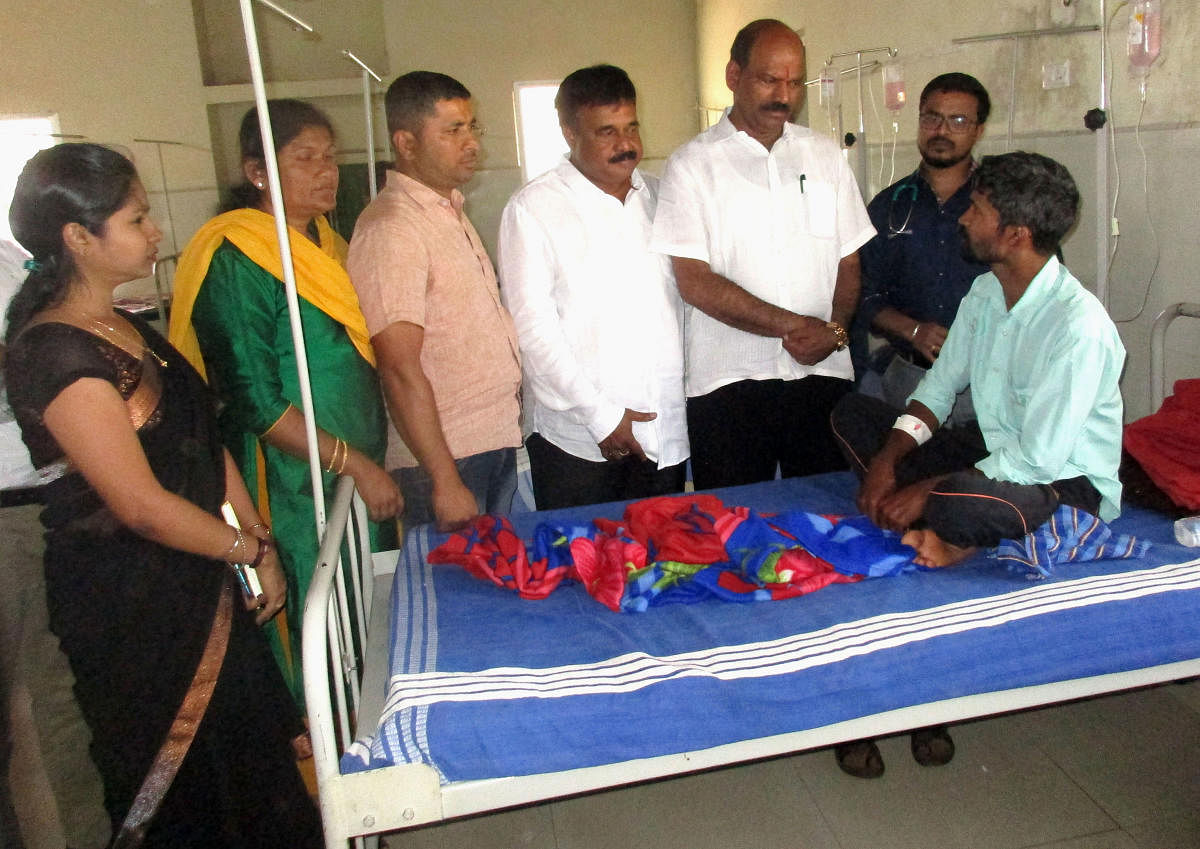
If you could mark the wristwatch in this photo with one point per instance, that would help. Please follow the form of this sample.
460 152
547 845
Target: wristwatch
843 338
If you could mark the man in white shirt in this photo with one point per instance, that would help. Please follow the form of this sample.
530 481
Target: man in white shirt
30 656
763 220
597 313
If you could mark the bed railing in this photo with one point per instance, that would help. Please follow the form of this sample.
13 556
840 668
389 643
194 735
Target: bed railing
340 594
1158 355
337 613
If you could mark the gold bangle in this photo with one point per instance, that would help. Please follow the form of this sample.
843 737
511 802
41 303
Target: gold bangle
345 455
843 338
239 544
333 454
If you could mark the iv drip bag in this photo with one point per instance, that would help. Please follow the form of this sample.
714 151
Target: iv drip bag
829 87
894 95
1145 35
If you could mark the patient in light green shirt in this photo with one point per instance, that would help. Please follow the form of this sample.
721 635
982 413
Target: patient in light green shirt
1042 359
1044 375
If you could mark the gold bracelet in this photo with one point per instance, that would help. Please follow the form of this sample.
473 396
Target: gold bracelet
843 338
239 544
333 454
232 546
345 455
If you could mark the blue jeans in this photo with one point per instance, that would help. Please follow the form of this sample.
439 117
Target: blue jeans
491 477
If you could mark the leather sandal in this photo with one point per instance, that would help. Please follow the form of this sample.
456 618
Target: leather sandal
932 746
860 758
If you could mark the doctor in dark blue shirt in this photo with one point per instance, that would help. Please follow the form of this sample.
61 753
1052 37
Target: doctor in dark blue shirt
914 272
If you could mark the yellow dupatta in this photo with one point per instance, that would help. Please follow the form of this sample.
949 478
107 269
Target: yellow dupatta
321 277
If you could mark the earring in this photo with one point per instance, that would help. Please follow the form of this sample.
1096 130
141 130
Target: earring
259 185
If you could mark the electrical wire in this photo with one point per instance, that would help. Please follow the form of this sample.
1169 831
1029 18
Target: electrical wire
1137 135
895 136
879 123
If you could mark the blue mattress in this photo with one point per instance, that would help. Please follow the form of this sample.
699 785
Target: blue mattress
484 684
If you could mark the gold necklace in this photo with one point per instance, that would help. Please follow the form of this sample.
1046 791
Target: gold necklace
121 340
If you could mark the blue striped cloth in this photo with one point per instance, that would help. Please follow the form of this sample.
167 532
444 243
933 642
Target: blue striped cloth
1070 535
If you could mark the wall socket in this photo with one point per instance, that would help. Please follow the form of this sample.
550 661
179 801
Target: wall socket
1056 74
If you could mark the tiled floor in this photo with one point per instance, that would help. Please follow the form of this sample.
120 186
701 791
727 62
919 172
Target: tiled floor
1120 772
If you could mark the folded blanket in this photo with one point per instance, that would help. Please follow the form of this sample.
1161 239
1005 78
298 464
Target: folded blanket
1069 536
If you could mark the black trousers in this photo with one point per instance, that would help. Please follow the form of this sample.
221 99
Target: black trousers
966 508
742 431
561 479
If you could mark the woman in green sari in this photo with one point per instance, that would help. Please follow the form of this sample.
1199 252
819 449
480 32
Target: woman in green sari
230 318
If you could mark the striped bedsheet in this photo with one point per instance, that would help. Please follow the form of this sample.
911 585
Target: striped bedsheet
484 684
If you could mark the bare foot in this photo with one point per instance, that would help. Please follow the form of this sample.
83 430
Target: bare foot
934 552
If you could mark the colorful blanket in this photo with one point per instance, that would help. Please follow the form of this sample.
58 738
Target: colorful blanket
679 550
689 548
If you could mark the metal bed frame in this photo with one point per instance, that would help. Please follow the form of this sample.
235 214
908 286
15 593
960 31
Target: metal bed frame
344 678
1158 354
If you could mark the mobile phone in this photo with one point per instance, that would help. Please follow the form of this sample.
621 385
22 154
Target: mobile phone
251 586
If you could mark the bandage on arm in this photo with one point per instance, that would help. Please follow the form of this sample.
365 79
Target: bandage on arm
914 427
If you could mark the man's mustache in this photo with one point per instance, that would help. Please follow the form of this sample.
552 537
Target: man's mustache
777 106
622 156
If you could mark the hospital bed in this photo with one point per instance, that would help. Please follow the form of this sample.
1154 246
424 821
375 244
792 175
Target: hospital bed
465 698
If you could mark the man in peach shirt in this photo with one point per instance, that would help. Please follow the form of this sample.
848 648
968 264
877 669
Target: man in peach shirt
446 347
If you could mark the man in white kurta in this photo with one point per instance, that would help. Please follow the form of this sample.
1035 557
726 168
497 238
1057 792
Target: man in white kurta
598 316
763 221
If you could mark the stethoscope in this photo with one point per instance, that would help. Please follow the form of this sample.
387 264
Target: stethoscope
909 186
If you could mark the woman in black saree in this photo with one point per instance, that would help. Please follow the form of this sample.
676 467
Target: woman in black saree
191 721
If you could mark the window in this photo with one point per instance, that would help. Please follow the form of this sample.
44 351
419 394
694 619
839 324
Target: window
20 138
540 144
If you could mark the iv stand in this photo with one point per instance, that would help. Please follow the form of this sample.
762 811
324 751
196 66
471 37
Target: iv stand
285 245
367 75
162 173
861 142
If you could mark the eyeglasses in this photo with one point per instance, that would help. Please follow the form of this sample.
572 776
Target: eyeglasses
956 124
460 132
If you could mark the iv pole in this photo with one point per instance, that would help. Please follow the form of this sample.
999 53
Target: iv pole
285 245
367 75
861 142
174 255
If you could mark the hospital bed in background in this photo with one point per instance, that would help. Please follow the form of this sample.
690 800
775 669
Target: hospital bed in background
1158 348
465 698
